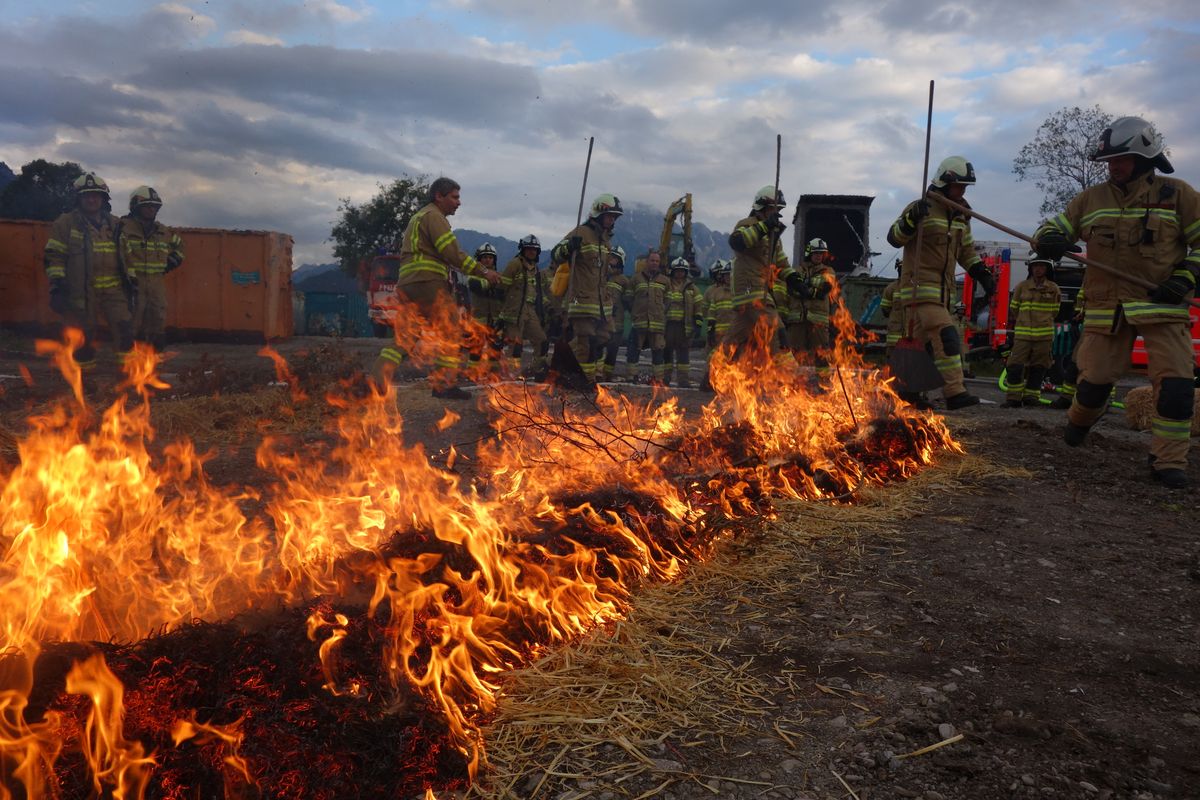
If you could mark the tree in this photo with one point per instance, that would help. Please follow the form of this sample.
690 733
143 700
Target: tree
379 223
1057 159
43 190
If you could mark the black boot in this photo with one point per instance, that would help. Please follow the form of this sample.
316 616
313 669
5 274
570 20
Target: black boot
1075 434
961 400
452 393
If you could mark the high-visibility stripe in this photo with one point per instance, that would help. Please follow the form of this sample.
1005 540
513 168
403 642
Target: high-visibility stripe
391 354
1092 217
1135 310
1174 429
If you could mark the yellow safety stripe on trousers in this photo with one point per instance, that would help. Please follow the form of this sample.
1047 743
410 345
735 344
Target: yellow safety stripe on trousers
948 365
656 327
926 292
892 338
675 315
391 354
1137 310
721 327
578 309
55 246
106 282
1174 429
818 317
447 362
55 271
1022 332
1092 217
746 298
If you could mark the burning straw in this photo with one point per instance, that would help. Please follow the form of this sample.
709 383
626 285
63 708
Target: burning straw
418 590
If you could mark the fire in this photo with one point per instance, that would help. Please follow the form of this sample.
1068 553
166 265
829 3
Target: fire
444 583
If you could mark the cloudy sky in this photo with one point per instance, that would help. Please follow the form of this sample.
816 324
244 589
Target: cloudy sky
263 113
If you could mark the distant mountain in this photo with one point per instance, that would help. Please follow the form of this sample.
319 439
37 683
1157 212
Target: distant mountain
7 176
323 278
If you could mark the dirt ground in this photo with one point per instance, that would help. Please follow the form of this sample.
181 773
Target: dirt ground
1040 601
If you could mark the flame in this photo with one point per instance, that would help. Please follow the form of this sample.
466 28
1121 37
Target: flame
577 503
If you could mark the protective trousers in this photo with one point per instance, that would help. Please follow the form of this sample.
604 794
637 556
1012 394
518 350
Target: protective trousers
427 296
644 339
112 305
610 349
933 325
527 331
150 309
1103 357
679 351
1026 367
746 319
588 335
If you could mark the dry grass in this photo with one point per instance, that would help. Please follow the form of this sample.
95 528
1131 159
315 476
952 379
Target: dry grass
666 673
1139 409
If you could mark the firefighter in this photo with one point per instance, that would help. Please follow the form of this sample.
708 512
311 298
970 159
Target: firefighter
893 312
647 291
1148 226
585 252
808 335
758 261
524 306
149 250
927 278
428 250
83 266
616 299
486 302
682 318
1066 390
717 303
1031 314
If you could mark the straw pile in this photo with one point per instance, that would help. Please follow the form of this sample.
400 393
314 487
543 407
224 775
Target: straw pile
623 701
1139 409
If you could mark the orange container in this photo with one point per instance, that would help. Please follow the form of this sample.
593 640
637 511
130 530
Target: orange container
235 284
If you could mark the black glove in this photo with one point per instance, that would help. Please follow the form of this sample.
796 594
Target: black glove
1053 245
574 245
174 262
983 276
1008 343
920 210
798 287
775 224
60 302
712 337
1174 290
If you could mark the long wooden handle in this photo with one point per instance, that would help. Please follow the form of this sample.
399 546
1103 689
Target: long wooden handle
1134 279
583 192
921 223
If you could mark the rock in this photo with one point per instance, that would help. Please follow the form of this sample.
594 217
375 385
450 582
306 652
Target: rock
1027 779
666 765
1190 721
950 688
1089 788
790 765
930 794
838 722
945 730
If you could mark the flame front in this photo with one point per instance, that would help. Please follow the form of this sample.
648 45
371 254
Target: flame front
576 504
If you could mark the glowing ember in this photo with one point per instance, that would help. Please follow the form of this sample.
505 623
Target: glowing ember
344 640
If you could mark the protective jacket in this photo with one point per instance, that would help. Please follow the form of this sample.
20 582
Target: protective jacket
820 279
148 248
525 291
1033 309
1147 229
754 268
589 273
928 276
790 307
428 249
893 311
616 299
649 302
718 308
682 303
84 254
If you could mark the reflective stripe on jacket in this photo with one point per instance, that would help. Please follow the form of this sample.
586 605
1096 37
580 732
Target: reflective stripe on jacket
1033 309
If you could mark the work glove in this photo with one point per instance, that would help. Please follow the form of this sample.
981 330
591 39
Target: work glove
920 210
1174 290
174 262
60 302
574 245
1053 245
775 224
1008 344
798 287
983 276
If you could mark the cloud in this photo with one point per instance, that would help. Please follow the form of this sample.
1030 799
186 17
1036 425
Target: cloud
42 99
244 36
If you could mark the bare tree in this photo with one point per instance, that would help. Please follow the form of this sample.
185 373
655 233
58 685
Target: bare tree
1057 159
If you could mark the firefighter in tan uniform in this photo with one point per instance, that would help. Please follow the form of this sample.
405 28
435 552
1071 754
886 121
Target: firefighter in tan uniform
1031 314
682 318
648 316
718 312
756 267
585 252
616 299
84 269
808 338
894 313
927 285
1147 226
526 291
149 251
428 250
486 302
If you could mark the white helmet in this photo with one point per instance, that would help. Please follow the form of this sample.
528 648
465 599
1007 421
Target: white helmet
530 241
618 252
485 249
767 196
1132 136
605 204
954 169
816 246
681 263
